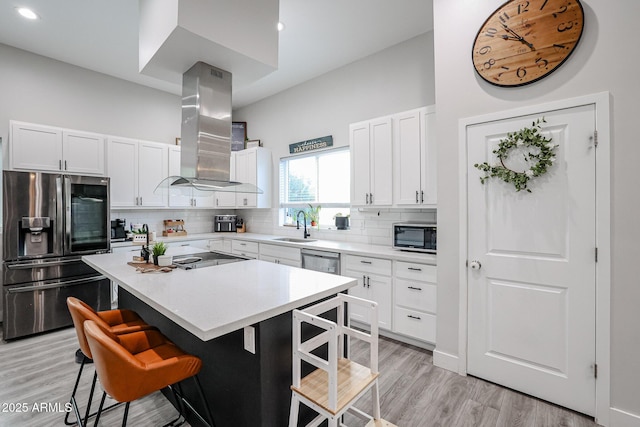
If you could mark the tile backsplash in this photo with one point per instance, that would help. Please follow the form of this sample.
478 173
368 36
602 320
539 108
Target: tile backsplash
196 221
369 226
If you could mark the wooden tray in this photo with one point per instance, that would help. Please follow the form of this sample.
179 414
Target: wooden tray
149 267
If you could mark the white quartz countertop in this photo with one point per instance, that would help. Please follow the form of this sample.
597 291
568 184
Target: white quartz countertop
376 251
212 301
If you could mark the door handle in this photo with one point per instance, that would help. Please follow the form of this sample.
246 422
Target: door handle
475 265
54 285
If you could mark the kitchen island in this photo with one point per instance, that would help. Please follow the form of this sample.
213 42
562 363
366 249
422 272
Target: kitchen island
208 311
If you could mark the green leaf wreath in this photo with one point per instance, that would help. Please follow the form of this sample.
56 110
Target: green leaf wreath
543 153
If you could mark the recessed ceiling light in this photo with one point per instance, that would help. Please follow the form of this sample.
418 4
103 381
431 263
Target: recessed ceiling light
280 26
27 13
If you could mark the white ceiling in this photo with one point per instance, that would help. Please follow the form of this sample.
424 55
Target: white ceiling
320 36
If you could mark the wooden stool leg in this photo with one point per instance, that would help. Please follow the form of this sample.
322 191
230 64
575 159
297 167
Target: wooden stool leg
293 412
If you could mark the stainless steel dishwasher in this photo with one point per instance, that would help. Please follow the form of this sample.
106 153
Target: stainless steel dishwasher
326 262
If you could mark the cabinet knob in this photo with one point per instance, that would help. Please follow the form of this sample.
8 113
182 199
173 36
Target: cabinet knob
475 265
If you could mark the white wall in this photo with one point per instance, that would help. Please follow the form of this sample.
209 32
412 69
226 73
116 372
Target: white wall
605 60
41 90
396 79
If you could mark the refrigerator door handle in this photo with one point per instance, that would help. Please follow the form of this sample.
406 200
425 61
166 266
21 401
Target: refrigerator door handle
36 264
31 288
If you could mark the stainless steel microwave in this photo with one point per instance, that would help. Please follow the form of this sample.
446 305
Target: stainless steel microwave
417 237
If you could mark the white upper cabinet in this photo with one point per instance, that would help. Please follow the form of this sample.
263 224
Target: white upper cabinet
225 199
415 158
186 197
371 162
253 166
47 148
136 168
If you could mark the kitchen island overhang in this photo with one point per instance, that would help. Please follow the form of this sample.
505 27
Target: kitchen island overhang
204 312
213 301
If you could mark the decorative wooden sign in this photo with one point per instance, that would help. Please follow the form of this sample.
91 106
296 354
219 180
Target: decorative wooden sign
311 144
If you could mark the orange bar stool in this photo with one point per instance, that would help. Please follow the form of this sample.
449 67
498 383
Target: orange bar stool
114 321
131 366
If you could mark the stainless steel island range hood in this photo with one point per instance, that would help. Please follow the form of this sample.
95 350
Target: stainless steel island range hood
206 133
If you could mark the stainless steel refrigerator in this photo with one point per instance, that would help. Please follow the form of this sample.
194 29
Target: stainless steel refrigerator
50 221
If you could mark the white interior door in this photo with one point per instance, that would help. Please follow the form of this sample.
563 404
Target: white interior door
531 319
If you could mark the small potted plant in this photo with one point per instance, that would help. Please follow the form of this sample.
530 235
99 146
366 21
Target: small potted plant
158 250
314 215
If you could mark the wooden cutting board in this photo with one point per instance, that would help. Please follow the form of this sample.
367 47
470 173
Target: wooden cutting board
149 267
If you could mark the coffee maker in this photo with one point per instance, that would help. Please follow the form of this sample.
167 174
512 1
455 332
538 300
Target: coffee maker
118 233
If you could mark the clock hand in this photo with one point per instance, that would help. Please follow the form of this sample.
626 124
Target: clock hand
516 37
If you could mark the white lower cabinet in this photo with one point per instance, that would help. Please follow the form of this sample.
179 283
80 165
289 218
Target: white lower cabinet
220 245
374 284
280 255
245 248
200 244
415 292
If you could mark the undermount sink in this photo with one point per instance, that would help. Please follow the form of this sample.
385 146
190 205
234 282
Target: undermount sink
294 240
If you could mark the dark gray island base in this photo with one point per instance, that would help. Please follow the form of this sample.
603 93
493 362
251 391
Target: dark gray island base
242 389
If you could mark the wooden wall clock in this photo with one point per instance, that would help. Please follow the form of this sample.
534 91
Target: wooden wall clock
524 41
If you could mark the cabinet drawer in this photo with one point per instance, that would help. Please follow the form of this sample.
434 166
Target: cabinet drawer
244 246
369 265
415 271
278 251
416 324
416 295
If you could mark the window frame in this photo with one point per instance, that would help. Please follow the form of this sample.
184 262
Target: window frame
282 187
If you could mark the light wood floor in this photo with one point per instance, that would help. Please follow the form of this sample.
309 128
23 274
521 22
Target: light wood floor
413 392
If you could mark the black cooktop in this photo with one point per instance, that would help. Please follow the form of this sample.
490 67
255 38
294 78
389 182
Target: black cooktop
204 259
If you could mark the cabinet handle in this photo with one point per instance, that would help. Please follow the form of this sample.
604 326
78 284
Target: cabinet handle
364 281
414 288
421 196
65 165
371 198
140 200
411 316
60 164
216 201
368 282
243 244
414 269
365 262
366 196
416 196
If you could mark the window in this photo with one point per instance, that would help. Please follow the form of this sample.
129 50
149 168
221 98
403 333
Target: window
321 179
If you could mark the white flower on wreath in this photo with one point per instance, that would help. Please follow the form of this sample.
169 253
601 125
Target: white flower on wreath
520 143
529 173
552 159
550 145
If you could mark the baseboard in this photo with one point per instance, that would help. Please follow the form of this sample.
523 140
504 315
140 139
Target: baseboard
620 418
445 360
